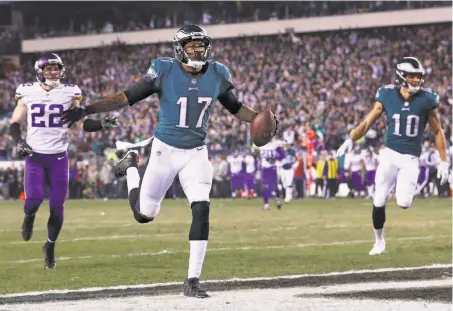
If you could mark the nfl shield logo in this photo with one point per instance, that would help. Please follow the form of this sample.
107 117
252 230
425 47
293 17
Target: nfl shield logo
194 81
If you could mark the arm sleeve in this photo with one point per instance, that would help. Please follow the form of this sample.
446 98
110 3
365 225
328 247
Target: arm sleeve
15 132
280 154
147 86
90 125
230 102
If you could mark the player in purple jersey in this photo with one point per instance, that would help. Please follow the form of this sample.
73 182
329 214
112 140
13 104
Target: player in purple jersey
236 161
270 154
46 143
249 179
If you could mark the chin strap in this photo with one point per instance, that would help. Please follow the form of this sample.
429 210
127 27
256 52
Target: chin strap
412 89
197 65
52 83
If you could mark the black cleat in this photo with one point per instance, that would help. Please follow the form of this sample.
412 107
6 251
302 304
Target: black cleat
129 160
192 288
49 259
279 204
27 227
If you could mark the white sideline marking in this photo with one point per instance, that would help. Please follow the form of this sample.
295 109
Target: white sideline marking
335 273
276 299
242 248
136 236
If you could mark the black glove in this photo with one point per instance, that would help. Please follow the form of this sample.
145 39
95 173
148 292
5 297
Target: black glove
109 122
23 148
71 116
277 124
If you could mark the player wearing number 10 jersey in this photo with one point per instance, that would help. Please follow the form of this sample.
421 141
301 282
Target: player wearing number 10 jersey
188 86
41 104
408 109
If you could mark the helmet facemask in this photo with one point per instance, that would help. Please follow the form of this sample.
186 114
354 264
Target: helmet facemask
192 46
46 68
407 70
49 77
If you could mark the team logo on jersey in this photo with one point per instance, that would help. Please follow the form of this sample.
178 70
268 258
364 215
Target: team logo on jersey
151 73
406 104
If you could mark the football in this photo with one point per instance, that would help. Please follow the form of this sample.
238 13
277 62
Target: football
263 125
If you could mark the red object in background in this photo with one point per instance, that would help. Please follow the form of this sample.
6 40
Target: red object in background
299 170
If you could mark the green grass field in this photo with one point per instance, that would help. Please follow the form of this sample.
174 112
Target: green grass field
309 236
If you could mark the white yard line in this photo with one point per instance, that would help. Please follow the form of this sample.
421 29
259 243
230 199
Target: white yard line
348 287
151 235
223 249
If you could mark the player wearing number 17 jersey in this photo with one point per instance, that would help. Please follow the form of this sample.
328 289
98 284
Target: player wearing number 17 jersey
41 104
188 86
408 109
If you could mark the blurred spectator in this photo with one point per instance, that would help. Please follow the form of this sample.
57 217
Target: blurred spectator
106 176
327 83
321 84
76 18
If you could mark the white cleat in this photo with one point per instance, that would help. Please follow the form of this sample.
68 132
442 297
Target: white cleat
266 207
378 248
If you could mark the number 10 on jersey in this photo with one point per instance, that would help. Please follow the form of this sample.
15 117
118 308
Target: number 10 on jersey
412 123
182 102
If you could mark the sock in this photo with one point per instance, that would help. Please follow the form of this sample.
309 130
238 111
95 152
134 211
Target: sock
31 206
55 223
133 178
289 192
370 191
197 254
277 191
133 187
266 194
378 222
379 234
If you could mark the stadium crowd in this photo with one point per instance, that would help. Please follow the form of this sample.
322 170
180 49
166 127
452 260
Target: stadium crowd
324 81
104 17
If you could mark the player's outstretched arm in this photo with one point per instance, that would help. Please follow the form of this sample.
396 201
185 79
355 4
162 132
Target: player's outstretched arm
245 113
441 144
113 102
361 129
239 110
91 125
143 89
19 115
236 108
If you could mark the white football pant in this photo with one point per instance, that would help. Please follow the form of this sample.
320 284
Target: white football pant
402 169
165 162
